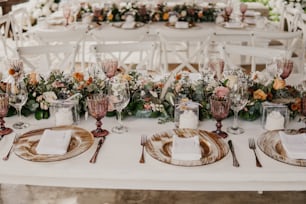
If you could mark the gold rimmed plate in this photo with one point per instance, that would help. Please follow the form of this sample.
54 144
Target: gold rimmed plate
270 144
120 24
25 147
213 148
190 25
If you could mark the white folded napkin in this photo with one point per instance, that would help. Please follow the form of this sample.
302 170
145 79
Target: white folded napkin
128 25
233 25
54 142
294 145
181 24
186 148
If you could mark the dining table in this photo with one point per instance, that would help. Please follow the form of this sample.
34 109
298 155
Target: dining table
117 165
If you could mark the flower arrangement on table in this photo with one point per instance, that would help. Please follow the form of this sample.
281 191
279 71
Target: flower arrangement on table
161 12
156 97
42 8
265 87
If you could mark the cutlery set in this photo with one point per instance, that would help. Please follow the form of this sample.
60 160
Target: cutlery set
143 142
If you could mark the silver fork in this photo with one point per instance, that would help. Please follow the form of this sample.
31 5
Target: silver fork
143 142
253 147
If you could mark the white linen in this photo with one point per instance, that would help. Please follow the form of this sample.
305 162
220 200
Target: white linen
294 145
181 24
186 148
54 142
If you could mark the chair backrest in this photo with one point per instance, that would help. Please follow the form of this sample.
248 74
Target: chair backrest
20 23
291 42
266 53
43 58
291 16
64 37
126 54
186 46
4 35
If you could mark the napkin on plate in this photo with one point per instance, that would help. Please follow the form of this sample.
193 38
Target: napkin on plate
54 142
294 145
186 148
181 24
233 25
128 25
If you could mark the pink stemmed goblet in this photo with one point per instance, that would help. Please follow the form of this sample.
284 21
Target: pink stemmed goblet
109 67
66 13
220 107
98 106
285 66
4 106
227 13
243 9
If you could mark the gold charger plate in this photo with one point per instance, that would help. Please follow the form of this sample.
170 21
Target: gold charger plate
25 147
270 144
242 26
120 24
190 25
213 148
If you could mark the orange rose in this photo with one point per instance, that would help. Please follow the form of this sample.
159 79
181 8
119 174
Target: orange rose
11 71
178 77
279 84
33 78
260 95
89 81
166 16
78 76
200 14
110 17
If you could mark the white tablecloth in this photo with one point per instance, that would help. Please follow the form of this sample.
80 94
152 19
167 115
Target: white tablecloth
117 165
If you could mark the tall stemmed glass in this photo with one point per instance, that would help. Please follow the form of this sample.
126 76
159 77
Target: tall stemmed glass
98 106
67 14
109 67
119 94
239 97
4 106
219 109
243 9
18 96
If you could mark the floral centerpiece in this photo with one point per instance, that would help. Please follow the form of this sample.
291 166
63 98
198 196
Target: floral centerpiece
42 8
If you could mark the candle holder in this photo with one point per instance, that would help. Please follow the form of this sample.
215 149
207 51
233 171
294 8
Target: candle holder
186 115
65 112
274 116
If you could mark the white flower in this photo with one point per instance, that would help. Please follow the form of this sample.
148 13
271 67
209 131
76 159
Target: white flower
46 11
43 1
49 96
183 13
54 7
37 13
263 78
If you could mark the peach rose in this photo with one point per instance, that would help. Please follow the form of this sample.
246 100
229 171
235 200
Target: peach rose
279 84
78 76
221 91
33 78
260 95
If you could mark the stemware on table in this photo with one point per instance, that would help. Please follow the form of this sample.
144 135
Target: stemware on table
119 97
18 96
109 67
280 67
239 98
243 9
98 106
4 106
220 107
67 14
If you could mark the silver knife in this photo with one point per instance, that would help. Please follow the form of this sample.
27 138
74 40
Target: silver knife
94 156
235 161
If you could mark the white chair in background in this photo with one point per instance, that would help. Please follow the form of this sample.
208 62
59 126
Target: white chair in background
186 47
64 37
21 23
291 42
266 53
4 36
44 58
145 52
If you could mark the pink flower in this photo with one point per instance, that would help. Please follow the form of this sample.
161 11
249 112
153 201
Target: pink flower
221 91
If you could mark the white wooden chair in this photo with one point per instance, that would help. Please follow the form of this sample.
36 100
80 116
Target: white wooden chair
123 53
64 37
266 53
291 42
185 46
43 58
21 23
4 36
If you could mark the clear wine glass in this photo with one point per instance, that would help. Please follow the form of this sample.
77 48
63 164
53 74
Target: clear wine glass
98 105
239 97
119 97
219 110
4 106
18 96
